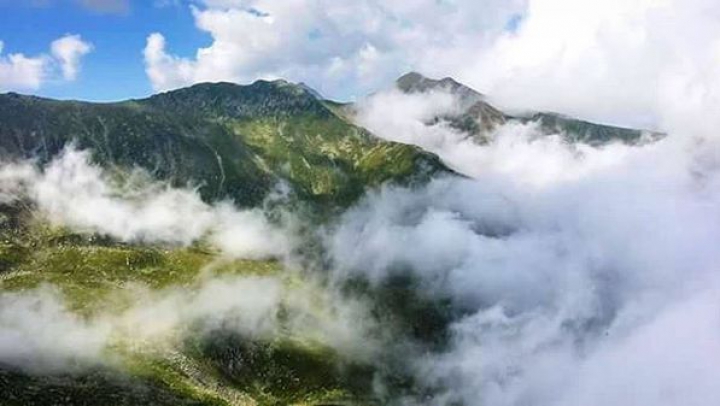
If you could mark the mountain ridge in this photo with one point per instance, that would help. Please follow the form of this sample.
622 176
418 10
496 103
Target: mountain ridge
231 140
478 117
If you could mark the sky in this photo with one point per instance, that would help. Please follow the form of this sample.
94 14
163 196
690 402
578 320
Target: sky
116 30
614 61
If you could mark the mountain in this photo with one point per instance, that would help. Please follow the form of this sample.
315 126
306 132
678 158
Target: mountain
414 82
236 142
229 140
478 117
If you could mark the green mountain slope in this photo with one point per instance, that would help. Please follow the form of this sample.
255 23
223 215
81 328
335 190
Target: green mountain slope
229 140
99 279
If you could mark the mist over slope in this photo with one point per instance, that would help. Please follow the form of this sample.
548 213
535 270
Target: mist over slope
472 113
550 266
580 274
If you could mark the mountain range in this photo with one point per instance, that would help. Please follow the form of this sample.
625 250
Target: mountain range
235 141
229 142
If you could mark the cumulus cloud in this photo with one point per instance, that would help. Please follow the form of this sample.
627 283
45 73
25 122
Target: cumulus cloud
21 72
258 307
39 334
68 51
623 62
327 44
246 305
561 285
629 62
18 71
73 192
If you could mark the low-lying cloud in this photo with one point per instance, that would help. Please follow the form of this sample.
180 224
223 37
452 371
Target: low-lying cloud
40 334
73 192
582 275
518 150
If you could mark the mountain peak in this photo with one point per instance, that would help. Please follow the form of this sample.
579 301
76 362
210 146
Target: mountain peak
414 82
409 80
262 98
310 90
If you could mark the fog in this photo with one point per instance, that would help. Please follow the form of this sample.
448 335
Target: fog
518 150
40 334
583 275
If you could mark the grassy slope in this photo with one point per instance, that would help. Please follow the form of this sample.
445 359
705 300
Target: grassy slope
328 160
94 272
230 140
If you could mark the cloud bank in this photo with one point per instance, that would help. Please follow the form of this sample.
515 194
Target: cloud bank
581 275
38 333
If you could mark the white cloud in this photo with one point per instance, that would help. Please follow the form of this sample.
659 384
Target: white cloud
71 191
166 71
20 72
40 334
332 45
619 61
571 289
68 51
574 267
37 332
515 150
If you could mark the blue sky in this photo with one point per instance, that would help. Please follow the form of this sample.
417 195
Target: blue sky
114 70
